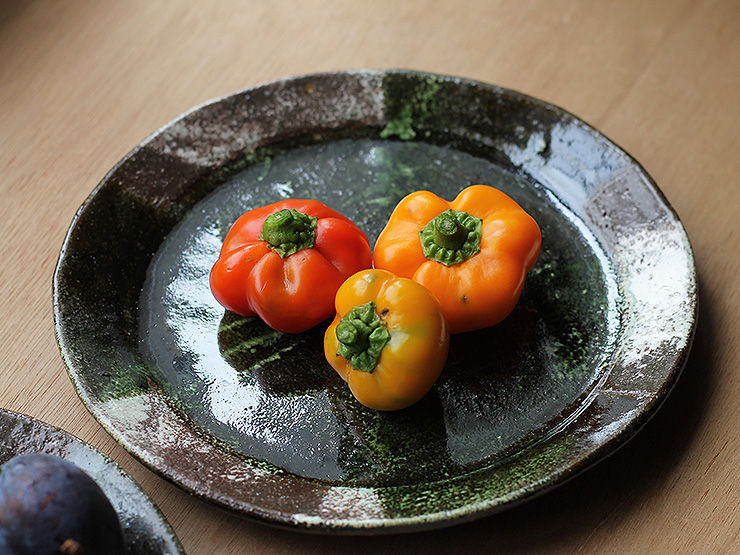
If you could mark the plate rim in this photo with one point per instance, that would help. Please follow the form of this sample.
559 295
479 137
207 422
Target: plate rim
103 464
443 518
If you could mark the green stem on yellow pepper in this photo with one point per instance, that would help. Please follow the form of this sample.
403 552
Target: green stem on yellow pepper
362 335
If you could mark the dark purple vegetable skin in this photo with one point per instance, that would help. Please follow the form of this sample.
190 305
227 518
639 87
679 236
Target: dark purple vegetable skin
46 501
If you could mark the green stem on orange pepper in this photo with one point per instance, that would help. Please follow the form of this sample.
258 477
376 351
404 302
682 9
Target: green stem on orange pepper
451 238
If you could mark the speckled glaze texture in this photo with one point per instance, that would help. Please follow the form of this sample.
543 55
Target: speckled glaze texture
144 529
256 422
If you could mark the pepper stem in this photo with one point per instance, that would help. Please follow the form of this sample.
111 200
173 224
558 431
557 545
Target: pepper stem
362 335
451 238
289 231
448 232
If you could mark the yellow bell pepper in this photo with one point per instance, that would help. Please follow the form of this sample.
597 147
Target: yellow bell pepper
473 253
388 341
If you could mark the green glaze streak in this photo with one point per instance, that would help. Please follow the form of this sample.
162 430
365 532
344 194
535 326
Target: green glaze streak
122 378
275 356
451 238
417 108
362 336
402 126
250 344
394 173
478 487
289 231
237 344
266 337
266 165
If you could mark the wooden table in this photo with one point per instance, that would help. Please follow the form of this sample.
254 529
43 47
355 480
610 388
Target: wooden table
81 83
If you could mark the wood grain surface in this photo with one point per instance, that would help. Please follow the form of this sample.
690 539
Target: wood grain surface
81 83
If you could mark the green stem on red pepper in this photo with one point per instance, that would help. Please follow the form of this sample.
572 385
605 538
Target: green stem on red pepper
362 335
289 231
451 238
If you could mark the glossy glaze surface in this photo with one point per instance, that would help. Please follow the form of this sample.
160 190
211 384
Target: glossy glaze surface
253 420
272 396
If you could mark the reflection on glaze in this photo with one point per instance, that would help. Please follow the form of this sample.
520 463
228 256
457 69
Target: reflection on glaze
272 397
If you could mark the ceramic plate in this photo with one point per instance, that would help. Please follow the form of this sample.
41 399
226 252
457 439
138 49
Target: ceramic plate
145 530
256 421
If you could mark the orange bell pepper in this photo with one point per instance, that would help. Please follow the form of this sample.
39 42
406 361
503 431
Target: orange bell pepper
285 261
388 341
473 253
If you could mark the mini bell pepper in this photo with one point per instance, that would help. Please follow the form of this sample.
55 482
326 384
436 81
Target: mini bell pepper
388 341
285 261
473 253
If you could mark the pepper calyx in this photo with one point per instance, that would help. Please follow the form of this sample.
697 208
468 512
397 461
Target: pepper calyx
451 238
362 335
289 231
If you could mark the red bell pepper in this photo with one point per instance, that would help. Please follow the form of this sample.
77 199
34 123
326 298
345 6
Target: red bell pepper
284 262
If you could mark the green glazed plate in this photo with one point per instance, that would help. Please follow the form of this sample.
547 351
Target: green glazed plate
256 421
145 531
